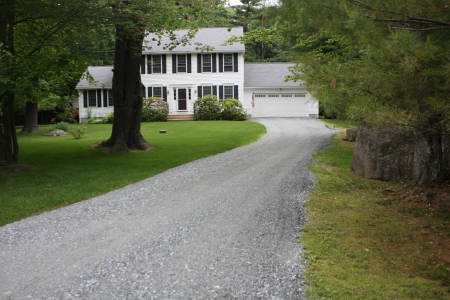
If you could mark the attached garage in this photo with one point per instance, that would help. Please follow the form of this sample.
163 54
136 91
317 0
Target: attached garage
280 105
268 95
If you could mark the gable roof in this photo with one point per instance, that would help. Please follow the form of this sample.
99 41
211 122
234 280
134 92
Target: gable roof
211 36
102 76
267 74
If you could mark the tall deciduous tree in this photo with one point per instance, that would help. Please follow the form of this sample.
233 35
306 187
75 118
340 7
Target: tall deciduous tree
33 35
133 19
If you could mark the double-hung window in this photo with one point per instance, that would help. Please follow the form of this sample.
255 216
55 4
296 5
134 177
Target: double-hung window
206 63
157 92
228 91
181 63
207 90
110 98
228 62
156 64
92 98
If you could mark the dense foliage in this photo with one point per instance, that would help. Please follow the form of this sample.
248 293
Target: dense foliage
212 108
155 110
383 61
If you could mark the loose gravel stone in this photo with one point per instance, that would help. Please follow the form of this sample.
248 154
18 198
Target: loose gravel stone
222 227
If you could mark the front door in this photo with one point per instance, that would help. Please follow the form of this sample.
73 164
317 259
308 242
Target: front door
182 99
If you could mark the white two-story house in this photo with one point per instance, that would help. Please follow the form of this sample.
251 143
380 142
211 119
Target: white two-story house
182 75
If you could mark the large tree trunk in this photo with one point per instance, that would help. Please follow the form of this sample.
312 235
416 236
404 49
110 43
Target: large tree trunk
9 148
31 118
127 93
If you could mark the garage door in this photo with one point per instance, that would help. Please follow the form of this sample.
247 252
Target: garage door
280 105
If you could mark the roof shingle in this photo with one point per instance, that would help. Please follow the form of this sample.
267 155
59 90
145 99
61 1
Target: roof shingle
268 75
102 76
212 36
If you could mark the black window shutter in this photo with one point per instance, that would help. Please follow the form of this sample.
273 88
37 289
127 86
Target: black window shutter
220 62
142 90
220 91
149 64
236 69
164 64
99 98
199 91
143 64
199 63
164 93
105 98
189 67
174 63
85 99
214 62
214 91
149 92
236 92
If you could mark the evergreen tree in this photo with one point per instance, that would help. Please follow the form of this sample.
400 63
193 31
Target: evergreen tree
382 61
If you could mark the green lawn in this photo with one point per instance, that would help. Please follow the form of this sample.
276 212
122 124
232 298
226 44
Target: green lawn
65 170
370 239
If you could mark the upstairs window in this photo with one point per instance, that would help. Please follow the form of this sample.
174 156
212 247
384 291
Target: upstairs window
181 63
156 64
206 63
228 62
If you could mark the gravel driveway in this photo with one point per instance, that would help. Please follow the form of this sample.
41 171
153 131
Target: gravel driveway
223 227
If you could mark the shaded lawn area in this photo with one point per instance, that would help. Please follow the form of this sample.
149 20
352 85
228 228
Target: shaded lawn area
371 239
64 170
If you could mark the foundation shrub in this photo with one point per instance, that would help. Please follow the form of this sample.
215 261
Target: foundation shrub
211 108
154 109
207 108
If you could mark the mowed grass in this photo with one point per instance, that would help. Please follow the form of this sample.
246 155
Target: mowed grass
365 239
65 170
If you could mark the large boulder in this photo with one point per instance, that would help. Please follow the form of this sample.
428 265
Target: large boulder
386 154
399 154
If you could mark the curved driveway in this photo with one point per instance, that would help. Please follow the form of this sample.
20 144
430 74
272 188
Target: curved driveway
223 227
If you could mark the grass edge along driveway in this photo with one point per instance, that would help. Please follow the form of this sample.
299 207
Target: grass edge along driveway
63 170
369 239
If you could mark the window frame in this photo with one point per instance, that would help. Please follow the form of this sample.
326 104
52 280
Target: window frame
205 66
203 90
228 64
156 66
181 65
225 87
110 98
89 94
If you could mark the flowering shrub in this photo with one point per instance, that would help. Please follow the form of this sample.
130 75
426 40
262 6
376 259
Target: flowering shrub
211 108
154 110
207 108
232 110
